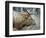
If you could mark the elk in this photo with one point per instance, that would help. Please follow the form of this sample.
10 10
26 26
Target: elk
20 20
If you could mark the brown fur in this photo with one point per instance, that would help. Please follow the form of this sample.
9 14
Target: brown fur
19 25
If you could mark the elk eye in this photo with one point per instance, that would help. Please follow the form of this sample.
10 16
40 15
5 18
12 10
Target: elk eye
24 25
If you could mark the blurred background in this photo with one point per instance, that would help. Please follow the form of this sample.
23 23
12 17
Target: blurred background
33 11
